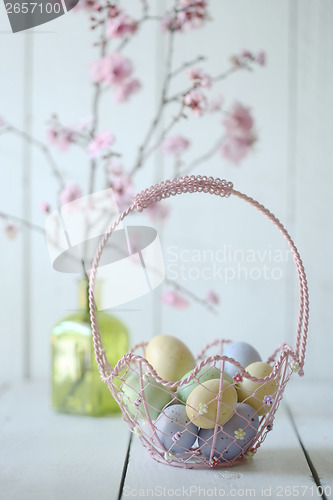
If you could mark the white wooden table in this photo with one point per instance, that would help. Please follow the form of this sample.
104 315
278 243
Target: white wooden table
46 455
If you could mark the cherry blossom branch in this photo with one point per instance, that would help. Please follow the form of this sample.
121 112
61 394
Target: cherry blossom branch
187 65
201 159
22 222
141 152
222 76
185 291
42 147
165 132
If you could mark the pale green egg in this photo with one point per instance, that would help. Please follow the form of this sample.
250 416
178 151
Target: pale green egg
151 399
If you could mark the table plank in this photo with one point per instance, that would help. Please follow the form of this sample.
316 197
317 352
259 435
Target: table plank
278 466
311 405
44 454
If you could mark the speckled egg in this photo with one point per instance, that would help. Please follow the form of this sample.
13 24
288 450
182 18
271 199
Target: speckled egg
170 357
242 352
202 404
234 438
206 373
154 394
260 395
175 431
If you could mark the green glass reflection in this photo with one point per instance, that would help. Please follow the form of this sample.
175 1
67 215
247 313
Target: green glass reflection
76 384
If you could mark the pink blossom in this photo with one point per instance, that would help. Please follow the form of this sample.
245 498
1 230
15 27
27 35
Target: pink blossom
240 135
171 23
61 138
235 149
100 143
193 13
213 298
247 54
215 104
175 145
174 299
70 192
239 121
123 189
121 26
158 212
11 231
261 58
123 92
44 207
196 101
112 69
200 77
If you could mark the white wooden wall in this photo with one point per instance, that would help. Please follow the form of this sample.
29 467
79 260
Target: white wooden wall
291 173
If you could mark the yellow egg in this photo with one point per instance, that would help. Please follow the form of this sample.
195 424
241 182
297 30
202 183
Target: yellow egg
254 393
169 357
201 405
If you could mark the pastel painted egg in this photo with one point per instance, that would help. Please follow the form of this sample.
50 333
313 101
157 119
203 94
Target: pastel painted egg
234 438
170 357
175 431
153 394
202 404
206 373
242 352
260 395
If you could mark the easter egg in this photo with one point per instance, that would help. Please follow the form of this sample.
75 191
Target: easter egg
234 438
153 394
206 373
202 403
174 430
260 395
242 352
169 357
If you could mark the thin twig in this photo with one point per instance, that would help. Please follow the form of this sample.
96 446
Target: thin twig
185 291
141 152
187 65
22 222
42 147
206 156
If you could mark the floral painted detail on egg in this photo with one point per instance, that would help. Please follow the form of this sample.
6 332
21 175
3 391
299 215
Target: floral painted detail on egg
213 462
294 366
237 378
240 433
137 402
177 437
202 408
169 456
137 431
249 456
268 400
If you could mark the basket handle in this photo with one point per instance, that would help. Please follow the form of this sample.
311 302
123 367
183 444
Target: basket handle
193 184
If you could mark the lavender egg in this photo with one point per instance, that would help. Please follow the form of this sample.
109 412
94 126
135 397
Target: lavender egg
235 436
174 429
242 352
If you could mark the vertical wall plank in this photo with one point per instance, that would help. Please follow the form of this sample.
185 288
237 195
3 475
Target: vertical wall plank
313 190
26 201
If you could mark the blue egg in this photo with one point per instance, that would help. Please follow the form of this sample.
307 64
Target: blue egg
235 436
174 429
242 352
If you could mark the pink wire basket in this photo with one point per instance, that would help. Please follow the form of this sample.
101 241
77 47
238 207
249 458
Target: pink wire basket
201 441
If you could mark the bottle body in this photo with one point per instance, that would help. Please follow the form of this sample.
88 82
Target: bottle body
76 384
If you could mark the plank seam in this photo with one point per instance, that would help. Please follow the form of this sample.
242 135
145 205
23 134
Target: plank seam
124 472
311 465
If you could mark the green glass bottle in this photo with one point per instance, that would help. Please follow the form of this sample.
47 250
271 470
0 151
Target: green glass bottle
76 383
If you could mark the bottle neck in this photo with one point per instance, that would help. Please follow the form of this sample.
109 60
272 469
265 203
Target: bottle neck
83 293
